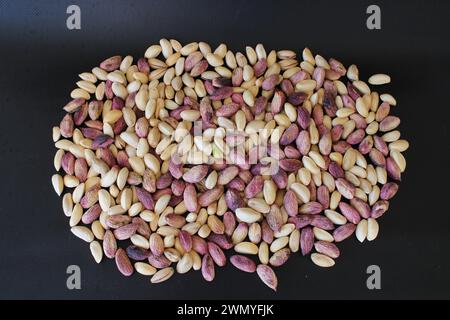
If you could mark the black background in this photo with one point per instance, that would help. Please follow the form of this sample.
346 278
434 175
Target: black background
39 62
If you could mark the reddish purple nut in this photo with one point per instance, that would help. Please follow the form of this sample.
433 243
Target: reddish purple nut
216 254
306 240
243 263
185 240
322 222
260 105
164 181
343 232
233 199
289 135
287 87
199 245
278 101
301 220
303 118
297 98
349 212
221 93
291 203
290 165
145 198
260 67
254 187
102 141
222 240
270 82
117 103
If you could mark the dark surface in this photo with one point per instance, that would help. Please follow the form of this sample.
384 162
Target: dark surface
39 62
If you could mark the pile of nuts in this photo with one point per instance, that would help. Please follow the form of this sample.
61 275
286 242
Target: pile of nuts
171 160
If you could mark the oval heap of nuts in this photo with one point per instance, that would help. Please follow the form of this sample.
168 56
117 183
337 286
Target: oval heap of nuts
189 152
